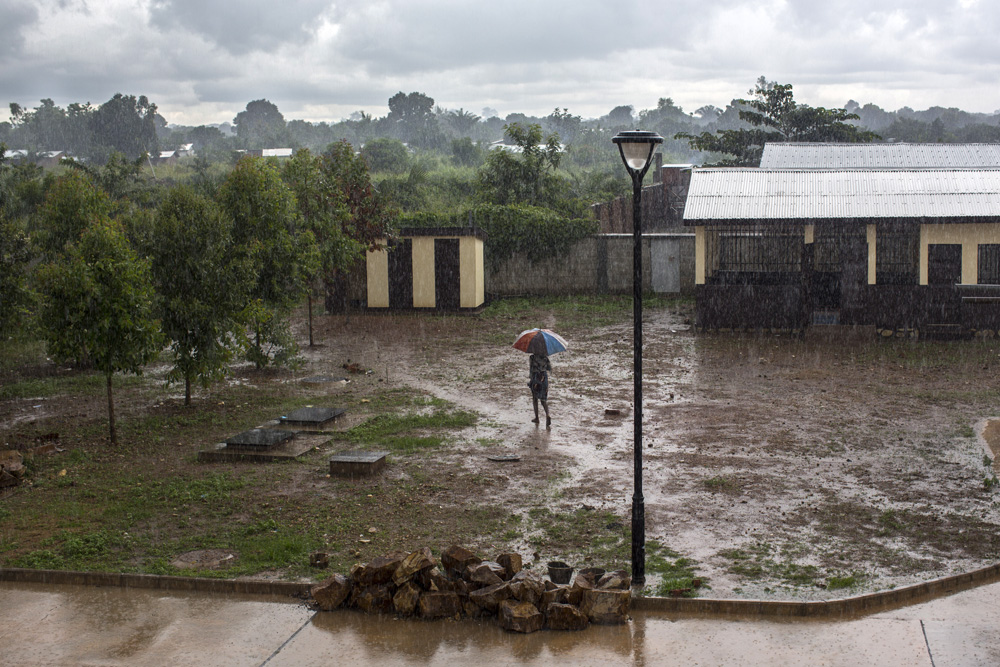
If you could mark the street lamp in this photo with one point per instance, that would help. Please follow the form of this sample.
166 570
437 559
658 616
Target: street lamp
636 148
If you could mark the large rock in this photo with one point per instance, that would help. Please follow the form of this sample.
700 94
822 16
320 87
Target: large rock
558 595
375 599
617 580
455 559
431 579
520 616
565 617
511 565
405 599
331 593
379 570
527 586
440 605
606 607
484 574
581 584
421 559
490 597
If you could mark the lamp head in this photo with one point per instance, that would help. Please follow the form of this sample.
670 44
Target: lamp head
636 148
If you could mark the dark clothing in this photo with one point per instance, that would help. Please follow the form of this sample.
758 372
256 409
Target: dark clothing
538 376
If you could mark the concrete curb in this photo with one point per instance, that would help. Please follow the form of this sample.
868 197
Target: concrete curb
161 582
843 607
840 608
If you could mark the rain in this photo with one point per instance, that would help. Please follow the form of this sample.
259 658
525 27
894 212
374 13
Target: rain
325 344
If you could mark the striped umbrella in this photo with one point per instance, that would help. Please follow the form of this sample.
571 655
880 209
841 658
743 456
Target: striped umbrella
540 341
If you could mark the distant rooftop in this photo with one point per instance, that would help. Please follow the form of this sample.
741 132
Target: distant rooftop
879 156
816 194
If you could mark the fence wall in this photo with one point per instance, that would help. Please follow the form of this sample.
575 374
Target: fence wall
602 264
662 204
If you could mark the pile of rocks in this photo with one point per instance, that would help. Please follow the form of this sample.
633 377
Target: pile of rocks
463 584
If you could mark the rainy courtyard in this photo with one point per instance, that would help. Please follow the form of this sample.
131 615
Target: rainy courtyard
774 467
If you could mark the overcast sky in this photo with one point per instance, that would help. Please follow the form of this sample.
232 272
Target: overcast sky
201 61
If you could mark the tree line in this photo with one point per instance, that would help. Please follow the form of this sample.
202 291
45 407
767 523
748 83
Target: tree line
111 281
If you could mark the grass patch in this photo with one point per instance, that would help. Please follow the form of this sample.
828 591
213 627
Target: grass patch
762 561
679 576
395 431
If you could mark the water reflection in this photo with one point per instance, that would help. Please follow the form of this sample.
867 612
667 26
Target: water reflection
387 640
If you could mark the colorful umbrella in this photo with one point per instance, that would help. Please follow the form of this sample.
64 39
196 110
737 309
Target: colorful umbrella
540 341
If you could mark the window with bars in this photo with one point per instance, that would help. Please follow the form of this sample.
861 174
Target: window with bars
759 249
989 264
897 253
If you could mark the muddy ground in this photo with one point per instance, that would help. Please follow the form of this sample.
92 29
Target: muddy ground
783 467
780 465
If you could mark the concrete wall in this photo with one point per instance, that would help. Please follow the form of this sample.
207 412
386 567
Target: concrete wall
602 264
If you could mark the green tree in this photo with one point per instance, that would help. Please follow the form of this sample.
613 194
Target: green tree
125 124
385 154
261 125
98 305
524 174
411 119
201 280
16 299
264 213
774 115
72 204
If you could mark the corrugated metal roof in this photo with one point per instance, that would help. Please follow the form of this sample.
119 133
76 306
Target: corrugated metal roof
879 156
785 194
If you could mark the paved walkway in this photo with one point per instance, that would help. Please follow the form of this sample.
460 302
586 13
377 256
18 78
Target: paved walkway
77 625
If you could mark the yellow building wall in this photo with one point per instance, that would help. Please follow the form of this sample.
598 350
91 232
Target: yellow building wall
378 277
423 272
872 259
810 232
968 236
699 255
472 281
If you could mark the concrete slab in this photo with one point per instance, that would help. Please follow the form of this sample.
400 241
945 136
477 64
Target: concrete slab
311 417
357 463
259 438
288 450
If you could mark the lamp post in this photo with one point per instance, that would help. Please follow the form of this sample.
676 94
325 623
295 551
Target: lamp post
636 148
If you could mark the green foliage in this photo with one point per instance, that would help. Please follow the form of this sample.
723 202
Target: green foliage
525 174
774 115
125 124
411 119
678 575
16 298
537 234
264 212
202 282
385 154
98 306
396 432
465 153
260 125
72 204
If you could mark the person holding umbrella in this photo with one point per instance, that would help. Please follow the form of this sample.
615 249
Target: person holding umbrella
540 343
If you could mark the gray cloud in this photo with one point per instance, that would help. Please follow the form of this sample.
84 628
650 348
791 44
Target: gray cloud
205 60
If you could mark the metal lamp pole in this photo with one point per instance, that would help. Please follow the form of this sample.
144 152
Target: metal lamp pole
636 148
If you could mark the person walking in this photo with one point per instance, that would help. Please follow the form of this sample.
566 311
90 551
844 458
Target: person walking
538 380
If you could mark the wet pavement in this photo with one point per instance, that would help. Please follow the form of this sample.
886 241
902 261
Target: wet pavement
77 625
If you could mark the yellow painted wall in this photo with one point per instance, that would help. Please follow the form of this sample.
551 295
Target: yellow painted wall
968 236
423 272
699 255
472 288
378 277
872 259
810 231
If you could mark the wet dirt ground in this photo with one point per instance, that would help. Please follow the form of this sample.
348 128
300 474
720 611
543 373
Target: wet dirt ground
806 468
784 468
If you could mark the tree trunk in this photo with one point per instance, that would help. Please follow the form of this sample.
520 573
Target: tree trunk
111 413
